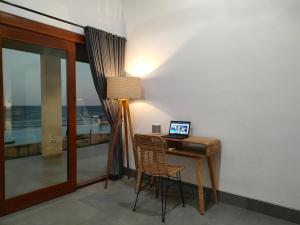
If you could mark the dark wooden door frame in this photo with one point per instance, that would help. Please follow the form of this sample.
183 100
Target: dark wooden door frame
25 200
31 25
2 173
14 26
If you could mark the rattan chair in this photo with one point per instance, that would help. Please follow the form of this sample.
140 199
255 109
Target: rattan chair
151 161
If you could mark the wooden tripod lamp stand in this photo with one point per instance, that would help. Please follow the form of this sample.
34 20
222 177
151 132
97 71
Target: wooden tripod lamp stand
122 89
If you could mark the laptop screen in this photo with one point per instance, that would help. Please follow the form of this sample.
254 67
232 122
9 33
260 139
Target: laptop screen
180 127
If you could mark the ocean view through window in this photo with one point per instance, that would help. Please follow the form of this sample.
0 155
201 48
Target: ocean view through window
21 118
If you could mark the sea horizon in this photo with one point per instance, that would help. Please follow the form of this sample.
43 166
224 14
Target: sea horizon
23 123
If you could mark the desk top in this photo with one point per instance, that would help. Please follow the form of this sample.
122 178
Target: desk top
213 145
196 140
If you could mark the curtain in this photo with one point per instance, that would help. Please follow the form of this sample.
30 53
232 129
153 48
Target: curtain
106 53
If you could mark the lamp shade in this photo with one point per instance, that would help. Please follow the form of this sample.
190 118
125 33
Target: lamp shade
124 88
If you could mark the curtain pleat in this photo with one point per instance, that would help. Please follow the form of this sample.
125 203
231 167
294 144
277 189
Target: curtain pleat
106 53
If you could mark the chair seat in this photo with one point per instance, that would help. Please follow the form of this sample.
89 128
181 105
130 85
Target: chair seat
173 169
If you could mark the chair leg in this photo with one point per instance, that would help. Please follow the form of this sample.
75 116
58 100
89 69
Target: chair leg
180 188
157 183
152 180
139 190
162 196
164 201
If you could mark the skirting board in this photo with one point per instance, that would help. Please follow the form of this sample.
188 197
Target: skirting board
280 212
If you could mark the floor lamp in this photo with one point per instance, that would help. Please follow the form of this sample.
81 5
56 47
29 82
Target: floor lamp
122 89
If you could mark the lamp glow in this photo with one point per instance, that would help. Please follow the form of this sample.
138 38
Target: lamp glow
141 67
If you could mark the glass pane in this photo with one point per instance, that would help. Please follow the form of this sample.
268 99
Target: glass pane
35 117
93 129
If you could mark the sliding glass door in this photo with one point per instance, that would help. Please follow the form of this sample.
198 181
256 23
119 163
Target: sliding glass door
51 141
35 117
93 130
38 130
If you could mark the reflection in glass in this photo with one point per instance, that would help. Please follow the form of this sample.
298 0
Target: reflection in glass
93 129
35 117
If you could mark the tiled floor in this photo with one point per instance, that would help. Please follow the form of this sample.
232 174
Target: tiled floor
94 205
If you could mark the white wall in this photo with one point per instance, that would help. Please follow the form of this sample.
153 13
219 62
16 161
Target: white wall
103 14
231 67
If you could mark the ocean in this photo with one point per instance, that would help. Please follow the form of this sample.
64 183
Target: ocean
23 123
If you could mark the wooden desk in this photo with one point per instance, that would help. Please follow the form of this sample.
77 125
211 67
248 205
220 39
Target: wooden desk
208 147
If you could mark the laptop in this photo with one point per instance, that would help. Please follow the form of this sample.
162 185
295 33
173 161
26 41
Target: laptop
179 129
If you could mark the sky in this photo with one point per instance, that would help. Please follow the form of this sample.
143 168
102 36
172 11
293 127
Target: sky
22 80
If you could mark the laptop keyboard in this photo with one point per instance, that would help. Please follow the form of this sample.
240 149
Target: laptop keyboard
174 136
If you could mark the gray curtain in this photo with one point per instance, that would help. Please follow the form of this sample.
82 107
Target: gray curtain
106 53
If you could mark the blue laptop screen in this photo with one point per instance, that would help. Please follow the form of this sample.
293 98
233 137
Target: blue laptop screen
179 128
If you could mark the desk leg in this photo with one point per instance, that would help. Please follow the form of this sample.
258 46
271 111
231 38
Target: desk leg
212 179
200 187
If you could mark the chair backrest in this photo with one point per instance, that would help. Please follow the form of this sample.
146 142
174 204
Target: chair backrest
151 155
